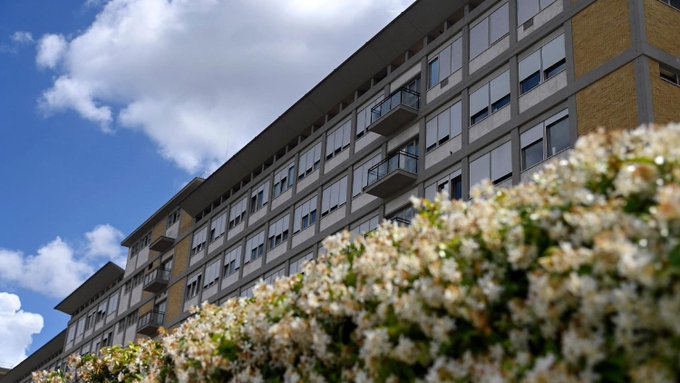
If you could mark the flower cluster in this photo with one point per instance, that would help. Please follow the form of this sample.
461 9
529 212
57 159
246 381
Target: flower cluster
574 277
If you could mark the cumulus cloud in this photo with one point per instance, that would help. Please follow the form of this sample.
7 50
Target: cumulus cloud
22 37
16 329
200 78
58 268
50 50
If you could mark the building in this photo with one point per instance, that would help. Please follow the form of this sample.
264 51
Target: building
445 96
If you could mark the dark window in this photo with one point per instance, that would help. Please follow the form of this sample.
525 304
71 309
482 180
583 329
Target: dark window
669 74
433 70
530 83
500 104
558 136
555 68
457 187
532 154
479 116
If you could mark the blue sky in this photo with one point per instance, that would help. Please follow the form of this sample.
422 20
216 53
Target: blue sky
107 108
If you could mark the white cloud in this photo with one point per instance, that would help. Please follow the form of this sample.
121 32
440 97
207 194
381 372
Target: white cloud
104 241
16 329
200 78
51 48
57 268
22 37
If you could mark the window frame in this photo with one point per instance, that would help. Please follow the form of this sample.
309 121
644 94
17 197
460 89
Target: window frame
338 138
198 247
307 209
488 33
334 196
435 119
540 133
279 231
541 73
232 260
360 173
492 106
312 156
284 179
437 58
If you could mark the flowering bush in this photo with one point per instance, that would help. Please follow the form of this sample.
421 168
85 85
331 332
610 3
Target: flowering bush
574 277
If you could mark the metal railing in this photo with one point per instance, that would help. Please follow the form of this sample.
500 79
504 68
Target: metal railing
152 318
160 275
397 161
403 96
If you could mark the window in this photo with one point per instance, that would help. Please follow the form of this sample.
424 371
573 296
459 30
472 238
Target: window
489 30
113 303
272 277
198 242
533 145
452 184
71 334
127 287
305 215
247 292
403 216
445 125
364 115
360 177
138 279
81 326
131 319
101 311
284 179
212 274
255 247
366 227
217 227
527 9
89 320
278 231
193 285
237 213
669 74
232 261
309 161
334 196
542 65
495 165
297 266
259 197
173 217
490 97
448 61
672 3
338 139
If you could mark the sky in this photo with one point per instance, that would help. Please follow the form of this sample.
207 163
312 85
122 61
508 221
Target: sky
109 107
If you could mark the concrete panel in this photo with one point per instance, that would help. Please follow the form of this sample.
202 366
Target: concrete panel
332 218
401 201
310 179
209 292
540 19
405 77
403 137
488 55
230 280
542 91
303 236
130 333
254 217
118 337
490 123
136 295
336 160
236 230
142 257
191 303
365 140
173 230
197 257
216 244
276 252
362 200
283 197
252 266
123 302
444 151
436 91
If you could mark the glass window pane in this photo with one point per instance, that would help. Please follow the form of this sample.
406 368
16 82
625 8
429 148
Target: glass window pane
433 72
532 154
456 55
558 136
530 65
500 86
479 170
501 161
445 63
479 38
443 125
479 100
500 23
456 119
526 9
553 52
530 136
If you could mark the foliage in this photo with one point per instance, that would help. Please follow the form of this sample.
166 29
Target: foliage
574 277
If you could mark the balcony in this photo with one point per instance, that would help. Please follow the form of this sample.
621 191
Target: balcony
394 112
156 280
392 174
149 323
162 243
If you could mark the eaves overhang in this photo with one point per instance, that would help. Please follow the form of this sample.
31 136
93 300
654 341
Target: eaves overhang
403 32
104 277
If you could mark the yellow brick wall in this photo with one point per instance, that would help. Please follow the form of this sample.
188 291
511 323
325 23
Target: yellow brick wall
158 230
610 102
186 222
666 97
601 32
175 301
180 261
663 26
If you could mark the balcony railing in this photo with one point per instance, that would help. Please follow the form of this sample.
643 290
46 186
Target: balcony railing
393 112
156 280
149 323
392 174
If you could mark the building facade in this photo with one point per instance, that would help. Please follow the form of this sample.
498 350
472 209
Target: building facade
447 95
